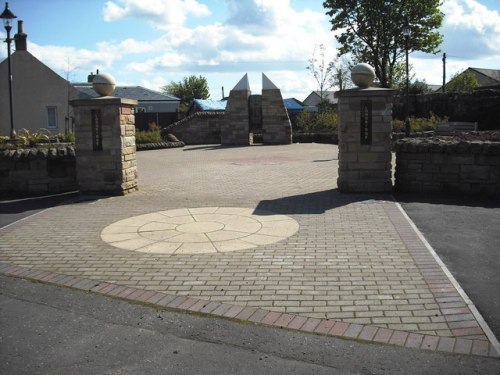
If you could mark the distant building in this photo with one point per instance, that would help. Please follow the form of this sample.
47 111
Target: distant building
153 106
486 78
314 99
293 106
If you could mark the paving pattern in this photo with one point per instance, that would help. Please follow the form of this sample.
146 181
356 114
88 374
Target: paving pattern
256 230
199 230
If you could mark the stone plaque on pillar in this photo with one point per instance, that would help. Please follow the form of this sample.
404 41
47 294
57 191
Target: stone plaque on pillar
365 136
105 145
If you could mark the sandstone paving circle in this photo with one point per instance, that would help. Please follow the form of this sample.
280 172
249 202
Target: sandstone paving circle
199 230
200 227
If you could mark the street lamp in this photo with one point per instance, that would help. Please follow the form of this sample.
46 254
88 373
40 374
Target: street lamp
7 16
406 34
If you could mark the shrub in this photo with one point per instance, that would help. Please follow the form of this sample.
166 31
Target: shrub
418 124
148 136
313 122
26 137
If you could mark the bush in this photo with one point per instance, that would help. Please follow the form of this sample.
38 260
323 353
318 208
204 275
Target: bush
148 136
418 124
29 138
314 122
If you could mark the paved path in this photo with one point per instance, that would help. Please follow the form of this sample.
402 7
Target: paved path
355 267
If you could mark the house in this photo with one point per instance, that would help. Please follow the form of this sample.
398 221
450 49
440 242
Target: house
486 78
315 98
153 106
40 96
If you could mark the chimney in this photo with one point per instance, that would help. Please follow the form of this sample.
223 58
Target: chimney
20 37
90 77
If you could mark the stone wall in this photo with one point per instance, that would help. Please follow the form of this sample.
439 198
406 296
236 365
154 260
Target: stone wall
439 165
199 128
479 106
38 170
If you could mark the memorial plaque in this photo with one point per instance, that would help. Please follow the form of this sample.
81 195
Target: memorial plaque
96 130
366 122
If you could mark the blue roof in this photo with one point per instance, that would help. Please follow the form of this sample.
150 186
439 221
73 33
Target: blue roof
293 104
210 105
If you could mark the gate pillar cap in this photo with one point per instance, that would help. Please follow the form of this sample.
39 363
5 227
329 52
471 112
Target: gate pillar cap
362 75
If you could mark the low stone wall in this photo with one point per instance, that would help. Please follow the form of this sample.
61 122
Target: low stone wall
447 166
38 170
199 128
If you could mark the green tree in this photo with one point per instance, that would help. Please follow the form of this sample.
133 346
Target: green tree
465 81
372 31
189 88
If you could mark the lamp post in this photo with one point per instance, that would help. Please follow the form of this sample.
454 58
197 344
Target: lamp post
7 16
406 34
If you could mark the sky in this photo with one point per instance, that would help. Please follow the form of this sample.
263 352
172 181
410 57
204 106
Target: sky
151 43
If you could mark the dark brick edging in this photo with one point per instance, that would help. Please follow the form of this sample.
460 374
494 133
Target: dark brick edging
158 145
326 327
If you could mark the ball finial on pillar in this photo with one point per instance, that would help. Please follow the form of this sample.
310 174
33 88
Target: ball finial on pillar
103 84
362 75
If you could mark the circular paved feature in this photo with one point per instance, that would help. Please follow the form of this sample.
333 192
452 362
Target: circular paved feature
199 230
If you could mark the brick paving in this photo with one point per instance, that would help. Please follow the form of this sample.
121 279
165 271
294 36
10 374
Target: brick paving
356 268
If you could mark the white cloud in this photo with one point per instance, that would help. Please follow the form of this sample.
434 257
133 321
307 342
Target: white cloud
225 45
67 59
472 15
163 14
256 37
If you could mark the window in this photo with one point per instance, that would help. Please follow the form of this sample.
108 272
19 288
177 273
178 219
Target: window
51 117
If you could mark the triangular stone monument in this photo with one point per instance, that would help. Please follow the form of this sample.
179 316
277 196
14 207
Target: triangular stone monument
276 125
235 128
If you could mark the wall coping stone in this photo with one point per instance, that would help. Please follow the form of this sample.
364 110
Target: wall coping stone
447 145
196 114
39 153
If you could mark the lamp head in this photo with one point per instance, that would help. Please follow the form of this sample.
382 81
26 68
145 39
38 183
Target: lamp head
406 28
7 16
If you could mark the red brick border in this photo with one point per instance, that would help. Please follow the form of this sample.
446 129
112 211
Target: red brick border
327 327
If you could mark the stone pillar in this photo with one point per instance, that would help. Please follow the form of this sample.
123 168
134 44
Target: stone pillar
105 145
276 125
365 140
235 129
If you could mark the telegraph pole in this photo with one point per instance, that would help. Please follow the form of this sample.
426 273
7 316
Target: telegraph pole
444 71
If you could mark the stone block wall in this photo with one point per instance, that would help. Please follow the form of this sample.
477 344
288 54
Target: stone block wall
235 129
365 151
446 166
106 159
199 128
38 170
276 125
